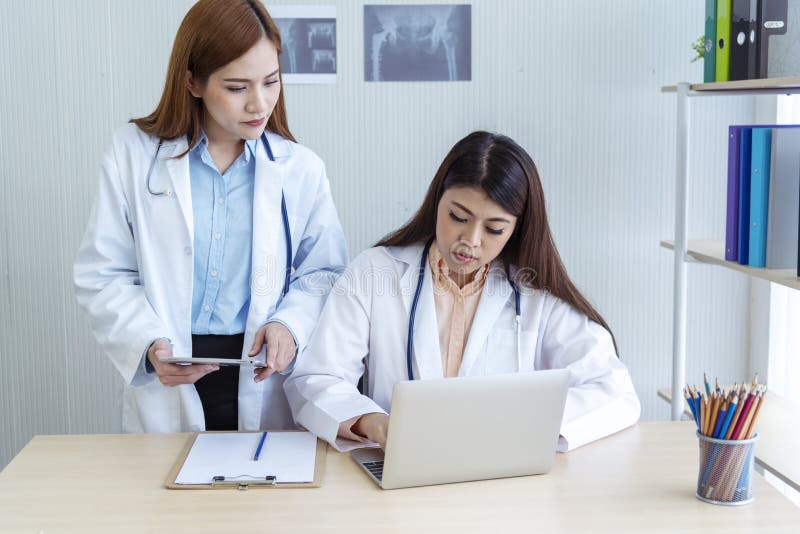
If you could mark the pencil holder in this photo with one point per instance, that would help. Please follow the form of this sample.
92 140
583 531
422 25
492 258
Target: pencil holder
726 470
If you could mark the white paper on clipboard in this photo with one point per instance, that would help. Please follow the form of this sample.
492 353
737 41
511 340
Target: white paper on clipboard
288 456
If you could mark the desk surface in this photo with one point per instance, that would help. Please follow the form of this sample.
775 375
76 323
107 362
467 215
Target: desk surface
642 479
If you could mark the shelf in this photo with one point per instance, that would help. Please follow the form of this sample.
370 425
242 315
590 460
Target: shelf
779 437
767 85
713 252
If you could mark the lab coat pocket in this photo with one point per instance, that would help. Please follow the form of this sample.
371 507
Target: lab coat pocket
501 351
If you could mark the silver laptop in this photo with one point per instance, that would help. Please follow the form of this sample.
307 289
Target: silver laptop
469 428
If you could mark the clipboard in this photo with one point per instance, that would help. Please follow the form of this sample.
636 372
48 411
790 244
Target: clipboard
222 481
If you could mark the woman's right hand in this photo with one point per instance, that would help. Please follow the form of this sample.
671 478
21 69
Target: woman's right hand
373 426
172 374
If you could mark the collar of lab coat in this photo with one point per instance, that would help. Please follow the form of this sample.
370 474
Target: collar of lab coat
250 147
280 145
178 169
496 295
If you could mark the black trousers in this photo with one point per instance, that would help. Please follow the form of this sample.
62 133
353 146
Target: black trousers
219 391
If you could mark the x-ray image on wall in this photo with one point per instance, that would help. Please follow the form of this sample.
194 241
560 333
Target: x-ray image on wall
418 42
308 36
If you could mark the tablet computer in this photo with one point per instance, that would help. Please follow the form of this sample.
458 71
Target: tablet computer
239 362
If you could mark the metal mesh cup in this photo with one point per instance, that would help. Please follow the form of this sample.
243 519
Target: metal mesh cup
726 470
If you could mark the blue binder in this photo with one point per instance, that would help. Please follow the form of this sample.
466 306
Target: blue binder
759 195
745 152
744 195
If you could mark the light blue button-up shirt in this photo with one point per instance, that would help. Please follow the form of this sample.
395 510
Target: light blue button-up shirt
222 205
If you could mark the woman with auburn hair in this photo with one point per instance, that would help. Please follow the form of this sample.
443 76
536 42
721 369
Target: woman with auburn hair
472 285
214 235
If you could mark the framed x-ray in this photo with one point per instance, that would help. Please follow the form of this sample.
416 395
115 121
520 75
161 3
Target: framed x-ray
418 42
308 37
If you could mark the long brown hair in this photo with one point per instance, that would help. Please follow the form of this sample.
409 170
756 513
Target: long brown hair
507 174
213 33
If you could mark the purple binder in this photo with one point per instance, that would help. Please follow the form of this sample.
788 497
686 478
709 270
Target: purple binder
732 216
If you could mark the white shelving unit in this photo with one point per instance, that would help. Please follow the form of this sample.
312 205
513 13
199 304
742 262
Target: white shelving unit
712 252
683 254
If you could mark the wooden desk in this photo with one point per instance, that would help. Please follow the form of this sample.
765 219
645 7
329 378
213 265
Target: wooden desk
642 479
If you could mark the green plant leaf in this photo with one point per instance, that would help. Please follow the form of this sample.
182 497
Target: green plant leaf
699 47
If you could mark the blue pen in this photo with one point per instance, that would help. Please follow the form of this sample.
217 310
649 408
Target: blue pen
260 444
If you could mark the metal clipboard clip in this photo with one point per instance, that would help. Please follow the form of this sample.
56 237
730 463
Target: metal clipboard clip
243 481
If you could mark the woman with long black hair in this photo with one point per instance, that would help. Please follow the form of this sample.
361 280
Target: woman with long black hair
472 285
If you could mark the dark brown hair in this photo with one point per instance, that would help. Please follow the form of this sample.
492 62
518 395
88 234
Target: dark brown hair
213 33
507 174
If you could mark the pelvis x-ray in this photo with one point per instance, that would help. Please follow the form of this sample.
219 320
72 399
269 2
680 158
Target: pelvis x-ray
309 45
417 42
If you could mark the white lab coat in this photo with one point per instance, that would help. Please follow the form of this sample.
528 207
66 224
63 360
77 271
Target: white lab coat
134 271
365 319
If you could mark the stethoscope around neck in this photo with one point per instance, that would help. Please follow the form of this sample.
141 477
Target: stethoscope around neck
284 212
418 291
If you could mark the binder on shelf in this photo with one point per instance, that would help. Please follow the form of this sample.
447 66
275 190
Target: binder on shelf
722 60
743 40
784 191
778 38
759 195
215 460
732 211
745 151
710 44
744 133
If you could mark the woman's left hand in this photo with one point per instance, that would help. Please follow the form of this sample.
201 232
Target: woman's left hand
281 349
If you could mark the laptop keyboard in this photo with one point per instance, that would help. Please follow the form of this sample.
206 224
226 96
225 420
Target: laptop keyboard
376 468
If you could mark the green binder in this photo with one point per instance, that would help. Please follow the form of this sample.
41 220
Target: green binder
710 44
723 57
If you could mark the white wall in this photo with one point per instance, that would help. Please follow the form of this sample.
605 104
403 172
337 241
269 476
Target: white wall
575 82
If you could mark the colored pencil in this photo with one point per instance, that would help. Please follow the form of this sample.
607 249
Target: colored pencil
752 428
738 412
690 402
743 415
732 408
712 420
749 419
720 418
